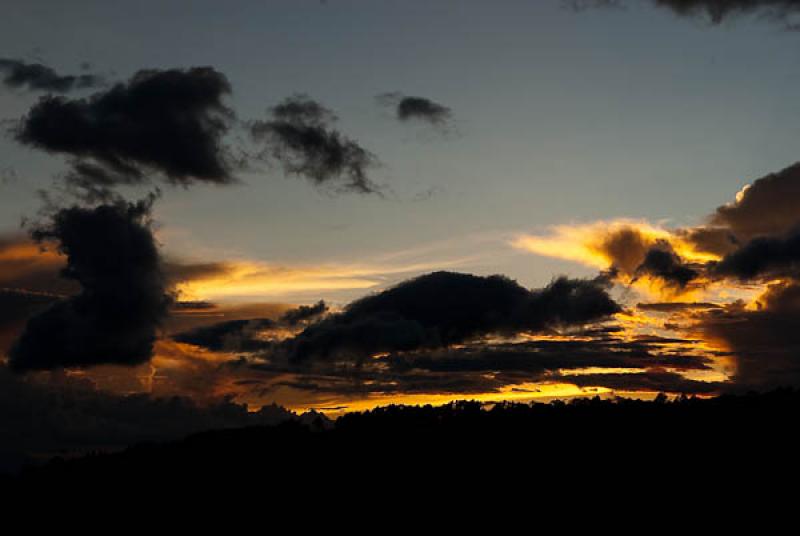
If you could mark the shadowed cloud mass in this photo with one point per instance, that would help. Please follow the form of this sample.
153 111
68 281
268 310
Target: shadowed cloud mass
169 123
112 255
445 308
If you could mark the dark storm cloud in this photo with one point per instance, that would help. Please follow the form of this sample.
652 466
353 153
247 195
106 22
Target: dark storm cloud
112 255
408 108
446 308
171 122
304 313
664 264
38 77
301 137
715 11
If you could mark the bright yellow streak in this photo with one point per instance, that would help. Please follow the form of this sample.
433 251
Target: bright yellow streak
254 279
526 392
583 243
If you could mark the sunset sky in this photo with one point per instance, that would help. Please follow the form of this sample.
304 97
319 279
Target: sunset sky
209 172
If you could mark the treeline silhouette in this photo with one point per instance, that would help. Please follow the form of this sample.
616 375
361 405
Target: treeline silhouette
466 442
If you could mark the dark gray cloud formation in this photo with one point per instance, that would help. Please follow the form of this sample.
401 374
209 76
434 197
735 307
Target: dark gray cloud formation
230 336
112 255
407 108
716 11
766 256
168 122
719 10
771 204
445 308
249 334
663 263
300 135
37 77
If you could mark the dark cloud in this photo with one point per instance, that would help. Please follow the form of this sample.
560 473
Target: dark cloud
304 313
38 77
171 122
765 341
716 11
408 108
719 10
653 381
446 308
24 266
539 356
112 255
484 367
766 256
230 336
675 307
16 307
716 240
300 135
769 205
626 248
663 263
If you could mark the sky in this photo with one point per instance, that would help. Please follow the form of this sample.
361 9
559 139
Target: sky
209 173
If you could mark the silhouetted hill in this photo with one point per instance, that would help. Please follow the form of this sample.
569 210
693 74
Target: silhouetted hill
464 442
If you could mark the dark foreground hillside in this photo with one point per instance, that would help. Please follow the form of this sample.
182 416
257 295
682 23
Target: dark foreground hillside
463 442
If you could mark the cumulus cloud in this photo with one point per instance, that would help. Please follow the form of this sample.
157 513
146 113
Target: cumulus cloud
37 77
769 205
300 136
168 122
445 308
111 253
